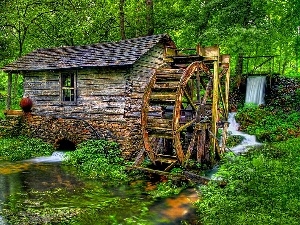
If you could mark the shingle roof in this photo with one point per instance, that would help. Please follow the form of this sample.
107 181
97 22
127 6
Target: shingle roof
125 52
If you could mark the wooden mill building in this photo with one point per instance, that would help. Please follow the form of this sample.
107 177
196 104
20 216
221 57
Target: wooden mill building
91 91
98 91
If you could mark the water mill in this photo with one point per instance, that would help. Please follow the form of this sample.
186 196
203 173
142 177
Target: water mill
184 106
149 112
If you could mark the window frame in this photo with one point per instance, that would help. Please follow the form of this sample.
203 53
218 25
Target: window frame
72 87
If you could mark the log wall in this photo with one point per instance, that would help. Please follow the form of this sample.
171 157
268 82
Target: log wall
108 106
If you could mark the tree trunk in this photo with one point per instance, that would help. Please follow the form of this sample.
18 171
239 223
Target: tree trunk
150 17
9 84
122 20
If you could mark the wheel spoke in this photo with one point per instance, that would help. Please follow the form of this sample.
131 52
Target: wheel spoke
201 145
185 125
191 146
190 100
198 83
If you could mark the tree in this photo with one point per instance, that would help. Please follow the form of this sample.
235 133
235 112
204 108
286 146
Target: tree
149 17
19 19
122 19
252 27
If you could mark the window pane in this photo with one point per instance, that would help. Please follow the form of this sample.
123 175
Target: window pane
72 95
72 80
66 81
66 95
67 86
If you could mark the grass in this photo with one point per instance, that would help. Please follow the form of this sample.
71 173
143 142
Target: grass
98 159
269 124
263 186
21 147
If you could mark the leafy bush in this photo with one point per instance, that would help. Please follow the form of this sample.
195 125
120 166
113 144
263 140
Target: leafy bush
168 188
234 140
20 148
98 159
262 188
269 124
285 93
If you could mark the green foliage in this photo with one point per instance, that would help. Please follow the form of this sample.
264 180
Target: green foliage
2 107
262 188
98 159
20 148
250 27
269 124
166 189
234 140
176 171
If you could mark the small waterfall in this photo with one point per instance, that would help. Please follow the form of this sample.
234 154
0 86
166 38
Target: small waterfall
233 129
249 140
255 91
56 156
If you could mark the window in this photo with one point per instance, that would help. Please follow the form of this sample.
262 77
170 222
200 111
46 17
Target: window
68 87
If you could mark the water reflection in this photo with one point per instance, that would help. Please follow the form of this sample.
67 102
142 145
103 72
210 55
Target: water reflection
45 177
43 190
175 210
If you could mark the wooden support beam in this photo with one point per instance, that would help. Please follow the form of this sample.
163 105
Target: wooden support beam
215 108
192 177
9 88
226 108
140 157
227 90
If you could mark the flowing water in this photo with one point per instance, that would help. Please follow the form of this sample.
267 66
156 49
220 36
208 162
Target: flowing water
248 141
43 189
255 91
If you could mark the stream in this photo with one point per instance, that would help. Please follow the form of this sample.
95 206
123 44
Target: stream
248 141
44 190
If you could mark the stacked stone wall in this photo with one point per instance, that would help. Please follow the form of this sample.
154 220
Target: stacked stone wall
53 130
10 126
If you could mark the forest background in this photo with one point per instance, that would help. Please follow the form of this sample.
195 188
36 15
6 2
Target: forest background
248 27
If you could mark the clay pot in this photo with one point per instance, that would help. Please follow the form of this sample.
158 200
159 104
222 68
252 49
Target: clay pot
26 104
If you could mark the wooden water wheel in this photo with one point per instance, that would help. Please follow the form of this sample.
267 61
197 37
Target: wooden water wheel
185 110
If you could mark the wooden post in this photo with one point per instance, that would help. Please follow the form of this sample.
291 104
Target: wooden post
215 107
9 87
227 91
201 145
225 127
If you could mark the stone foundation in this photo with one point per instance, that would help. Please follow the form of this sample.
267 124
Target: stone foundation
10 126
53 130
